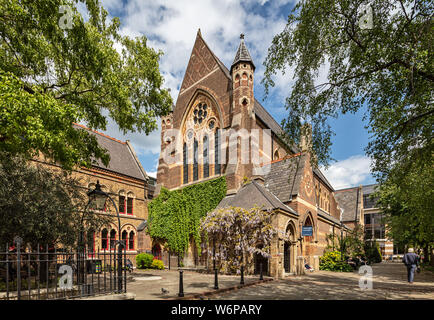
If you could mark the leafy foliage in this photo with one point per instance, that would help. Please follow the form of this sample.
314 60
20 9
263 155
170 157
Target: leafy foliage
372 251
332 261
407 205
51 78
144 260
351 244
174 216
157 264
42 205
238 234
386 70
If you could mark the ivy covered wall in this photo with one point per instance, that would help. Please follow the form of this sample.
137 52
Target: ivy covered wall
174 216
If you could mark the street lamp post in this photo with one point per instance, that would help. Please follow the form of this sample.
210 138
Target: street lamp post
99 198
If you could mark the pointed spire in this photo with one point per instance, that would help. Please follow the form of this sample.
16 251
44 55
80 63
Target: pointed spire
199 33
242 53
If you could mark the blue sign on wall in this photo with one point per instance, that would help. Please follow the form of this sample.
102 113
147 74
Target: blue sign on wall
306 231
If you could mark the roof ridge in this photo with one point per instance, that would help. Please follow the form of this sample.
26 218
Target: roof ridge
100 133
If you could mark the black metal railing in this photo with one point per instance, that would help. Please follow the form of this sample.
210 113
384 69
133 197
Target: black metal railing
42 272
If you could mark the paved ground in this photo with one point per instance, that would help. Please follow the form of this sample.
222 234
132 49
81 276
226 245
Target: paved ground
147 284
389 282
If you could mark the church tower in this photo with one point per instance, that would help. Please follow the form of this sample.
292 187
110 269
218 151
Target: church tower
243 117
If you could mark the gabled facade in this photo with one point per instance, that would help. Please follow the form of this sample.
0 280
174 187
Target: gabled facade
214 113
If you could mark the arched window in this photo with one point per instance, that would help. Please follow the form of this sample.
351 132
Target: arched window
308 223
185 168
104 239
90 242
122 203
112 239
125 238
195 163
217 168
276 155
130 203
205 157
131 241
237 80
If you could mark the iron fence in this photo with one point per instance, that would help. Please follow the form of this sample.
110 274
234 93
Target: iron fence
42 272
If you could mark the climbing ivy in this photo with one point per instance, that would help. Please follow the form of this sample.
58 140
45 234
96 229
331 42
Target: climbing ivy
174 216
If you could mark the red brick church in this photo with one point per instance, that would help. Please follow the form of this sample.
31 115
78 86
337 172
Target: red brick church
214 100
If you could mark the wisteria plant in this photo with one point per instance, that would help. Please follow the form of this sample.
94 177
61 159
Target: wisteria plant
238 235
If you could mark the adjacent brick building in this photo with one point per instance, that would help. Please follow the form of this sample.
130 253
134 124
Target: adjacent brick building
125 180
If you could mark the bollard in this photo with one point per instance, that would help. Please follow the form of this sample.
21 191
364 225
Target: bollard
242 275
260 272
216 282
181 285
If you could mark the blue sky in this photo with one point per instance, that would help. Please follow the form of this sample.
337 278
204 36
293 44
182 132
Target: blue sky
171 26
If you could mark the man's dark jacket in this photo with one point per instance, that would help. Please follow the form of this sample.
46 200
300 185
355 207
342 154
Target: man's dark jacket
410 258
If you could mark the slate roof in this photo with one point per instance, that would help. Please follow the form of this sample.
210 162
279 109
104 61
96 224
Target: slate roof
284 177
347 200
327 216
122 157
251 195
242 54
142 225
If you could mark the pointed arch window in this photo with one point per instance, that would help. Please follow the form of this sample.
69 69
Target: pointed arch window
104 239
217 168
205 157
185 162
195 162
125 238
131 240
112 239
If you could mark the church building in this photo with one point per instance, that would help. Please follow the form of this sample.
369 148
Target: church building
218 128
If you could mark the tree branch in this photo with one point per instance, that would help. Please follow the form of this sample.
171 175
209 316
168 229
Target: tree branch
404 124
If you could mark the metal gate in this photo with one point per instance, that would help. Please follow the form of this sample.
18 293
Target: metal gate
44 272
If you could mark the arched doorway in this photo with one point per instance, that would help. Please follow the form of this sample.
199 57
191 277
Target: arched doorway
288 249
258 260
156 251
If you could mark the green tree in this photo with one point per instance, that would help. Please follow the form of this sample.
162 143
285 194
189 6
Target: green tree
386 67
57 69
42 206
407 205
351 244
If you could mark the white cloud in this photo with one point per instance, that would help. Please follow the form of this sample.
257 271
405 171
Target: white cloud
171 26
349 172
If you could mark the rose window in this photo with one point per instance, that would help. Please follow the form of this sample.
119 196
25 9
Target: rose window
200 113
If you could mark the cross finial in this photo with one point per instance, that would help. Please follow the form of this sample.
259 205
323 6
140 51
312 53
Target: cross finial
242 36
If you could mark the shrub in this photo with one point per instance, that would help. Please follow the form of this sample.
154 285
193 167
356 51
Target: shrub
144 260
373 252
332 261
157 264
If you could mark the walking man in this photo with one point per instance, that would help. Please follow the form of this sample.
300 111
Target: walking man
411 261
